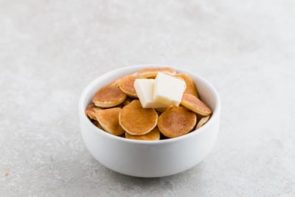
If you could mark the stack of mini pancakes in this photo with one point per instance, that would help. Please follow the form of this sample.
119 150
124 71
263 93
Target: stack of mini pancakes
115 108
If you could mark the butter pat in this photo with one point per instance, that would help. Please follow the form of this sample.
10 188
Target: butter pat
168 90
161 92
144 89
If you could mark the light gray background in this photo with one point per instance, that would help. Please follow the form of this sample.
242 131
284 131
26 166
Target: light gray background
50 50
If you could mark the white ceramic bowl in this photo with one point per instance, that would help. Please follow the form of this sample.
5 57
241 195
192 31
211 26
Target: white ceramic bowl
149 158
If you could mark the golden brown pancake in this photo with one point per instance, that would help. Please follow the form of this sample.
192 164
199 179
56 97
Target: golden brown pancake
195 104
126 84
191 87
109 96
203 121
109 120
176 121
136 120
90 111
153 71
150 136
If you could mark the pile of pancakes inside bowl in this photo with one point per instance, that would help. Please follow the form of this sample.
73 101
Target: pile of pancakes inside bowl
115 108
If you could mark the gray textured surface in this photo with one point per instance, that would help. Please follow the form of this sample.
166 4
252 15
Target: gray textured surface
49 51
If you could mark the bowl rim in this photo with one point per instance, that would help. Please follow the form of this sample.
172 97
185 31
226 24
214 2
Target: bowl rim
87 89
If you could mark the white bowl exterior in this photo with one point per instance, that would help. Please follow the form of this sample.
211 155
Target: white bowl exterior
149 159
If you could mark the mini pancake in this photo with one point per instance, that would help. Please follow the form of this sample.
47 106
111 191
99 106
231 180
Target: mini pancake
136 120
195 104
109 96
90 111
126 84
176 121
153 71
150 136
191 87
203 121
109 120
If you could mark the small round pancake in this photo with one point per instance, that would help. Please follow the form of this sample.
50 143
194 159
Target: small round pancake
150 136
203 121
109 120
126 84
176 121
136 120
196 105
153 71
109 96
191 87
90 111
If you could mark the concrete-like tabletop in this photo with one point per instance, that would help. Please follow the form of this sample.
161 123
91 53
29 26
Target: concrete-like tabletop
50 50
